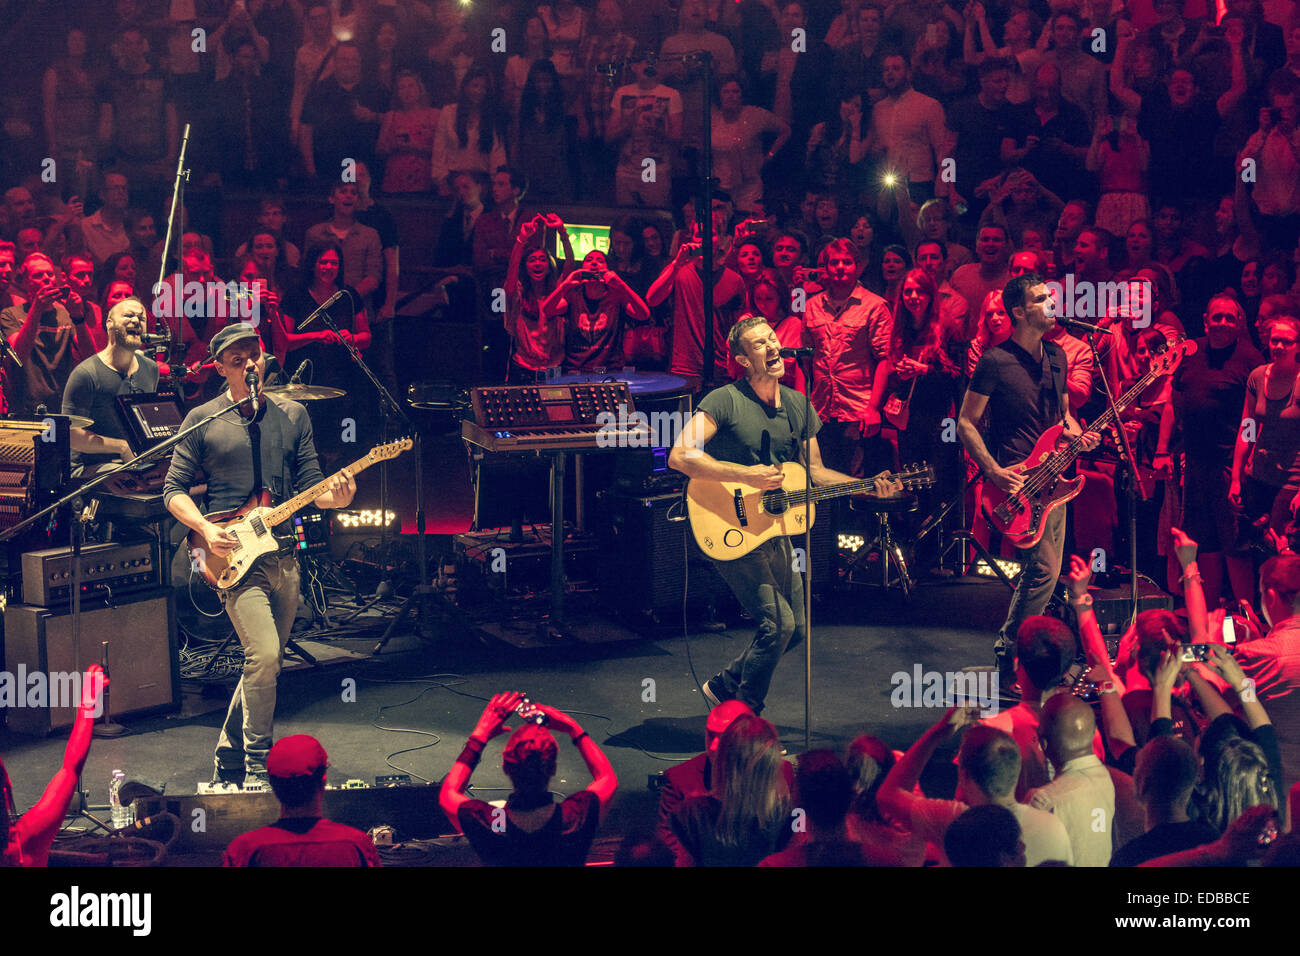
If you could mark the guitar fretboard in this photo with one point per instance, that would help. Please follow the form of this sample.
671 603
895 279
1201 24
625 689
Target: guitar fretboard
285 511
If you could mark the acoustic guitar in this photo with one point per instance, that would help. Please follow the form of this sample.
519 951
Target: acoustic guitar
730 518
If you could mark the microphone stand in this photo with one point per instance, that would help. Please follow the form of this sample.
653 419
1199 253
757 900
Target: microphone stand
106 728
1135 490
418 601
175 345
806 363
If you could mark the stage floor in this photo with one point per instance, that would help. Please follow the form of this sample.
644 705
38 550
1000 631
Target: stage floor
638 700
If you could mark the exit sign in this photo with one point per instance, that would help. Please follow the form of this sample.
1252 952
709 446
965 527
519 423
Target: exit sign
584 239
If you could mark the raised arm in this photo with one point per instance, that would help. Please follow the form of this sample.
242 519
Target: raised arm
36 829
603 780
897 795
1193 593
490 724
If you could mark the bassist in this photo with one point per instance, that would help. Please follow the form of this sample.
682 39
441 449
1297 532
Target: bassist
240 453
1021 384
744 432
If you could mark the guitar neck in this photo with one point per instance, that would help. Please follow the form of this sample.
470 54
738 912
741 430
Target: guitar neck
1104 420
302 499
835 491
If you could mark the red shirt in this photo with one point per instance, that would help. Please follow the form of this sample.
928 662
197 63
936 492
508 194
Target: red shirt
302 841
688 318
845 361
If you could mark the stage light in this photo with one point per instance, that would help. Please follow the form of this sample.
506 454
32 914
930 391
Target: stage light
851 542
890 180
363 519
1009 567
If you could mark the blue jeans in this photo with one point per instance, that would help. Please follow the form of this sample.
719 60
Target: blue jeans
771 592
262 608
1041 568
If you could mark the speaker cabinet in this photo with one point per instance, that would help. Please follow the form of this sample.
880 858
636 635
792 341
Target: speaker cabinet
143 669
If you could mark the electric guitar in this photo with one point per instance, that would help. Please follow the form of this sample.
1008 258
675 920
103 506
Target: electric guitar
1021 516
251 525
730 518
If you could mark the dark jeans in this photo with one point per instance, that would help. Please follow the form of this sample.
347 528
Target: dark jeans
771 592
1041 568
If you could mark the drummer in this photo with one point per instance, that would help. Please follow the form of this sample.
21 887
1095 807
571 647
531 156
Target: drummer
117 369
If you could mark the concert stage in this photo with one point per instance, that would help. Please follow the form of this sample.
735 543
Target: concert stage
435 691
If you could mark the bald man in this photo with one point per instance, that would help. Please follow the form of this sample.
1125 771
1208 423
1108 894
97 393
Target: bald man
1080 794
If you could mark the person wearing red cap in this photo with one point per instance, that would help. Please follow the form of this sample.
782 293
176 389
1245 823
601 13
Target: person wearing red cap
302 836
531 830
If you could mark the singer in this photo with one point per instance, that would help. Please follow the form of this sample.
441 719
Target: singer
116 369
266 446
745 432
1022 385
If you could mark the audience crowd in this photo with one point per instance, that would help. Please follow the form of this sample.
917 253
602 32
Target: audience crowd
881 170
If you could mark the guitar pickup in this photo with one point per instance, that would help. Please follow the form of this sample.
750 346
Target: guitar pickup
738 499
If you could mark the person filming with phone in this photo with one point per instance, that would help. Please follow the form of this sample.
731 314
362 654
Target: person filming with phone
48 336
531 829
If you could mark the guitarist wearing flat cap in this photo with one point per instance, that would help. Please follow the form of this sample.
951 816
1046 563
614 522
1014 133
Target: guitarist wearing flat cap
743 433
244 454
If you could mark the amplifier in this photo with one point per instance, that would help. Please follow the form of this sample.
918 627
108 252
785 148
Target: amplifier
1112 605
143 674
412 810
107 570
643 553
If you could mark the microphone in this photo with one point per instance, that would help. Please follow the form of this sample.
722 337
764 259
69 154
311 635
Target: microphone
324 308
9 350
798 353
148 338
1074 325
250 379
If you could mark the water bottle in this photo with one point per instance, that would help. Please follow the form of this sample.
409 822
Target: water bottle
120 816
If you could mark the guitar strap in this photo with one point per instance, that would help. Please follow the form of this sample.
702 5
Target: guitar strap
1057 359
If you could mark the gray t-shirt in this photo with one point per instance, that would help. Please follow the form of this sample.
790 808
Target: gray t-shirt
92 391
752 432
223 451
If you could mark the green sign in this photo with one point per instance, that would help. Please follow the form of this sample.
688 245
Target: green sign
584 239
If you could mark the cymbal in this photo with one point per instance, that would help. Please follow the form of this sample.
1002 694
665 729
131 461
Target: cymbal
16 429
305 393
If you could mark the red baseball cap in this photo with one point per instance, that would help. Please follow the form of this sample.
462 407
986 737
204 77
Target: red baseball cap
298 756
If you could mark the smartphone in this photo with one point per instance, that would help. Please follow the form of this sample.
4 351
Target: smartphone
1194 653
1234 628
1275 114
530 712
815 275
1268 834
589 276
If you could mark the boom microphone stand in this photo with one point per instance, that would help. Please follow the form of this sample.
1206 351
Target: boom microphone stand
418 602
175 347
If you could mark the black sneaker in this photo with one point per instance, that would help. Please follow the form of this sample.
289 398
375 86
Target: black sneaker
227 775
714 693
257 781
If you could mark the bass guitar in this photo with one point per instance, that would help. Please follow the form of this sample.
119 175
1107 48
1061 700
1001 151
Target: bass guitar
1022 516
730 518
251 525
